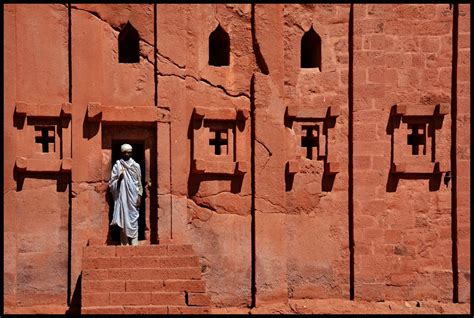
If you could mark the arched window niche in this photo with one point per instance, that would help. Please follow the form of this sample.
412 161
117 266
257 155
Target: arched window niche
311 50
219 47
129 45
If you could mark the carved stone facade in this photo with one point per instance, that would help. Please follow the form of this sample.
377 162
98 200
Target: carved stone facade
314 151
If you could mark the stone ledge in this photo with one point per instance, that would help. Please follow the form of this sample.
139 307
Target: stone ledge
419 167
43 110
422 110
229 114
43 165
308 113
127 114
220 167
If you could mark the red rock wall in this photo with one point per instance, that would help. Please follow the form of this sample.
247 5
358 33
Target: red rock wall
36 207
402 225
211 211
463 151
300 222
98 77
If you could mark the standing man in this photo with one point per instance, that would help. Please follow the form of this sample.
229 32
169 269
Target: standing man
126 187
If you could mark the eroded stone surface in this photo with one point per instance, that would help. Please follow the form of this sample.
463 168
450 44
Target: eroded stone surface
293 168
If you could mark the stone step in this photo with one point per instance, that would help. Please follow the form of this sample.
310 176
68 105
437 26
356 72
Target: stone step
144 279
142 273
146 250
171 285
139 262
144 310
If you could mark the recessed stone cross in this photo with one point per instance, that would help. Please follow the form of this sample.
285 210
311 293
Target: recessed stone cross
45 136
415 139
220 139
310 141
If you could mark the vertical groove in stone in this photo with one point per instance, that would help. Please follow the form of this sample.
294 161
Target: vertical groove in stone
252 187
171 184
155 238
350 148
69 217
262 65
155 45
69 46
454 217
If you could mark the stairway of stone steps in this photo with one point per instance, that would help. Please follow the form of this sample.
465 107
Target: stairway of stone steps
148 279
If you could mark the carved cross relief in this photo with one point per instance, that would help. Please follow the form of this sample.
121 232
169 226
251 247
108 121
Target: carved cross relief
311 128
45 144
414 141
216 145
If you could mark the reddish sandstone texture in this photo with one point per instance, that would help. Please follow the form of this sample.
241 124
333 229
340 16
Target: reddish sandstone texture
296 186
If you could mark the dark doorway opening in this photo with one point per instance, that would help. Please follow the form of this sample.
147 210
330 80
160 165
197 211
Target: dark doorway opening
139 156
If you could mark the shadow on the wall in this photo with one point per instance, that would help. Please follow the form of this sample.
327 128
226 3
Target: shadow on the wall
289 179
75 304
393 179
62 179
194 182
90 128
393 123
18 120
328 182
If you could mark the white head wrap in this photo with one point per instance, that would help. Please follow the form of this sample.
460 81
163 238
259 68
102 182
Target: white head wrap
125 147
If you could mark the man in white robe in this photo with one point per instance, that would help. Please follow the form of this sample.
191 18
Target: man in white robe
126 187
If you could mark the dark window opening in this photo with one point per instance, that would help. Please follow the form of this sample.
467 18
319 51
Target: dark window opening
45 136
220 140
417 138
219 47
311 50
310 141
129 45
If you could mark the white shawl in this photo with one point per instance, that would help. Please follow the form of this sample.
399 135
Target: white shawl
125 199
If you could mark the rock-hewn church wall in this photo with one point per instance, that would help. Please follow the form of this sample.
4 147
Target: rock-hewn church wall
402 56
36 206
328 174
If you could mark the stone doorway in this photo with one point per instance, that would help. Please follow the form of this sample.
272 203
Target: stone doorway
143 141
139 156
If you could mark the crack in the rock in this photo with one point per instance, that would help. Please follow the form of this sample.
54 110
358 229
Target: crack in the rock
221 192
268 150
170 60
159 54
183 77
264 146
97 15
205 206
218 194
282 209
262 65
145 57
